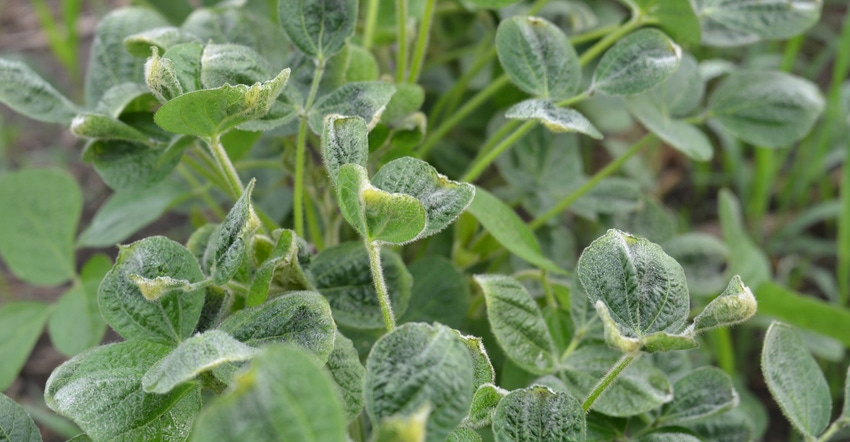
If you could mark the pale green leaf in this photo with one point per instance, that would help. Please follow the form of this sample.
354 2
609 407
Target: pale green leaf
482 369
26 92
704 392
795 380
131 167
554 118
403 428
366 100
281 271
161 77
745 258
229 242
680 94
730 426
318 27
41 209
704 258
462 434
737 22
440 292
667 436
106 128
612 195
538 57
257 29
125 96
845 411
651 220
163 38
76 324
362 65
538 414
348 374
16 425
186 58
232 64
344 141
804 311
407 99
735 305
679 134
418 364
518 324
492 4
21 323
637 63
676 17
483 405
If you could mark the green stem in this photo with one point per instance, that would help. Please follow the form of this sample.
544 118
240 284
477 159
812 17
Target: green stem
760 194
300 152
401 40
591 183
593 34
380 284
608 379
574 342
723 349
225 166
313 225
834 428
843 270
547 290
371 24
257 164
479 167
421 41
205 196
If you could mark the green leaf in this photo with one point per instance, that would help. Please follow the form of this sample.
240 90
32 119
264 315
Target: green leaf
418 364
101 391
704 259
252 27
665 435
442 199
344 278
162 39
729 426
463 435
131 167
492 4
704 392
344 141
348 374
282 266
76 324
508 229
735 305
636 63
168 320
845 411
192 357
232 64
186 58
21 323
161 77
745 258
539 414
440 292
407 99
41 208
538 57
366 99
680 135
733 22
483 406
298 318
482 369
680 94
766 108
362 65
795 380
403 428
212 112
676 17
318 27
518 324
554 118
228 244
16 425
130 97
106 128
26 92
804 311
284 395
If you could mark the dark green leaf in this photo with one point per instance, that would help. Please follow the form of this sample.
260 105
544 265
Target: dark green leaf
21 323
704 392
538 414
735 305
161 77
366 100
130 97
283 266
26 92
229 242
440 292
348 374
676 17
704 259
407 99
131 167
318 27
187 65
16 425
679 134
745 258
105 128
76 324
163 39
804 311
736 22
483 405
232 64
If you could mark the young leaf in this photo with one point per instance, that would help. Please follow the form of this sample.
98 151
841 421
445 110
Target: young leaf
22 323
162 39
723 21
366 100
318 27
284 395
192 357
482 368
105 128
745 258
41 208
343 276
101 391
538 57
704 392
680 94
636 63
173 316
348 374
282 265
766 108
76 324
428 360
735 305
229 243
16 425
344 141
795 380
517 323
26 92
440 292
407 99
232 64
554 118
124 96
483 406
186 58
161 77
538 414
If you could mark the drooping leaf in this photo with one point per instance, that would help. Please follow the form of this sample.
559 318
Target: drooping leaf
554 118
76 324
538 414
26 92
228 244
745 258
172 317
637 63
318 27
518 324
348 374
418 364
21 323
704 392
41 209
163 38
132 167
366 99
538 57
16 425
736 304
732 23
795 380
101 391
440 292
344 141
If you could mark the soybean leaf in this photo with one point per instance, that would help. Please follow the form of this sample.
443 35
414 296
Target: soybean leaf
482 369
348 374
676 17
518 324
492 4
483 406
232 64
240 25
26 92
704 392
538 57
462 434
636 63
704 259
845 411
163 38
344 278
299 318
362 65
186 58
680 94
440 292
795 380
582 312
41 208
745 258
665 435
192 357
131 167
172 317
101 391
127 96
765 108
804 311
680 135
76 324
732 23
735 305
418 364
318 27
15 423
539 414
212 112
344 141
366 99
403 428
442 199
228 244
554 118
106 128
407 99
161 77
282 266
728 426
21 323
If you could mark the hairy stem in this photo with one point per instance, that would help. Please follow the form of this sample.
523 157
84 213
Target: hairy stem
380 284
225 166
608 379
421 42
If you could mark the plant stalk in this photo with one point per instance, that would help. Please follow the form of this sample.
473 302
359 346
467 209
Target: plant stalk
380 283
421 42
371 24
608 379
300 152
401 40
479 167
225 166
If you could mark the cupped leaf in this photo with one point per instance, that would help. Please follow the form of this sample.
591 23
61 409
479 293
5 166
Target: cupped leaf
344 141
21 322
26 92
636 63
734 22
16 425
212 112
795 380
418 364
517 323
172 317
680 135
76 324
283 266
554 118
538 57
186 58
344 278
704 392
101 391
766 108
41 209
482 369
348 374
228 244
128 166
161 77
483 406
105 128
735 305
232 64
284 395
440 292
129 96
366 99
443 199
163 39
318 27
538 414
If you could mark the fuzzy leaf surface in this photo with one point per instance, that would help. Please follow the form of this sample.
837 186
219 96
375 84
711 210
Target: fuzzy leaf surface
745 258
484 402
636 63
128 166
232 64
344 141
734 22
440 292
16 425
735 305
348 374
676 17
26 92
704 392
163 38
680 135
554 118
538 414
365 99
318 27
228 244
